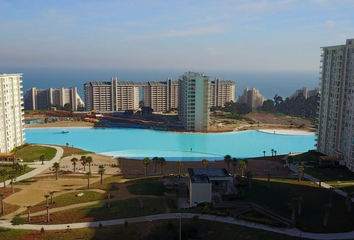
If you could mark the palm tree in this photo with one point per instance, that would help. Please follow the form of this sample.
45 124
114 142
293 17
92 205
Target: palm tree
326 218
242 165
294 206
46 199
67 146
155 161
179 164
275 153
88 175
146 162
83 162
264 152
234 163
56 167
89 161
28 208
101 171
205 163
2 204
12 177
3 173
227 160
47 206
51 196
348 201
272 150
42 158
300 169
162 162
249 176
25 166
74 161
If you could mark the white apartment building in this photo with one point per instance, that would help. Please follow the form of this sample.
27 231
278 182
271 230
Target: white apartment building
194 101
37 99
161 96
307 93
252 97
335 121
11 114
112 96
221 91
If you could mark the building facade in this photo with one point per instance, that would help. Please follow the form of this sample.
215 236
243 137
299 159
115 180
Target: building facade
335 117
221 91
194 101
252 97
11 114
112 96
161 96
307 93
37 99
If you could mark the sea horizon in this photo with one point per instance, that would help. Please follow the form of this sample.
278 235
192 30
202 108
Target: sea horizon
269 83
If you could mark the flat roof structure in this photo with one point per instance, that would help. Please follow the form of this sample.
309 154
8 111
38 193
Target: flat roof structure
203 175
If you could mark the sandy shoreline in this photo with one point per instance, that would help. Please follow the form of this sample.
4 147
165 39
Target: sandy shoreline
287 132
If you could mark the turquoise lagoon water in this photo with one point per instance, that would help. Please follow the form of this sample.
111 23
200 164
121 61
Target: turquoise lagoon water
139 143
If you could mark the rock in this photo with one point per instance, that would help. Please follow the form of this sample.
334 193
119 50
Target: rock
80 195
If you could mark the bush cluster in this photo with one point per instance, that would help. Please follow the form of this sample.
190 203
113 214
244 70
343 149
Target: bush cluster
19 147
254 217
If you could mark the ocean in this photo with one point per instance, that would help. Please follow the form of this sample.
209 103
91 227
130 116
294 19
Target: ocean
269 83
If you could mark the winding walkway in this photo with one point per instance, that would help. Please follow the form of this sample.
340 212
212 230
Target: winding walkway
287 231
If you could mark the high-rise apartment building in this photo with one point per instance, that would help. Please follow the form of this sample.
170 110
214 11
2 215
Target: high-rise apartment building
37 99
194 101
11 114
252 97
221 91
335 121
161 96
112 96
305 92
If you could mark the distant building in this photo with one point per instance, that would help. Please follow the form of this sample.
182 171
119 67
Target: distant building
335 116
112 96
307 93
194 101
161 96
252 97
37 99
221 91
11 114
209 185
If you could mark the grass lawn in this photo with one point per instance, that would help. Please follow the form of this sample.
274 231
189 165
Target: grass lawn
156 188
32 152
156 230
331 174
119 209
76 152
68 199
279 196
109 183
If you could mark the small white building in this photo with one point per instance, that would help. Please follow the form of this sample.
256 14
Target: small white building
208 183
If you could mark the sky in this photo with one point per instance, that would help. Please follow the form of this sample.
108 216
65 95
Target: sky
185 34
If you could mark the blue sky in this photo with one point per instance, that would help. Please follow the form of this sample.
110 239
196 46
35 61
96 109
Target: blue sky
192 34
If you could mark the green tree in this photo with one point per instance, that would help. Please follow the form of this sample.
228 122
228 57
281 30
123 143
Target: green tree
155 161
2 204
12 177
83 162
3 174
88 175
101 171
234 164
205 163
42 158
146 163
56 167
243 108
68 107
179 164
74 162
89 161
227 160
17 220
162 162
242 166
268 106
